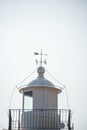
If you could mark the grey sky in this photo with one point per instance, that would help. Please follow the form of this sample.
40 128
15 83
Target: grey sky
59 28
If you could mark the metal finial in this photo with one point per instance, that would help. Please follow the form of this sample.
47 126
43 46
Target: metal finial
41 61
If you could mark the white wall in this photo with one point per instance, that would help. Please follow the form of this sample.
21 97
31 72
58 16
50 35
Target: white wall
44 98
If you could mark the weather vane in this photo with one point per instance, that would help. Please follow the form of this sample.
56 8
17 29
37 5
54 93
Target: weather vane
41 61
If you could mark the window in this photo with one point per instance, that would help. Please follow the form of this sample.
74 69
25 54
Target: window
28 100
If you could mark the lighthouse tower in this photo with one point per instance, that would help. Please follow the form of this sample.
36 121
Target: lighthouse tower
44 114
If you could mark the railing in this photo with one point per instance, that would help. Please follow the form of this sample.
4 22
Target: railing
39 119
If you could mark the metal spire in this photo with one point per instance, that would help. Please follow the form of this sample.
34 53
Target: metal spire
41 61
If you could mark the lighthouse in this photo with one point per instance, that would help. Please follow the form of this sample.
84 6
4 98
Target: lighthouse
45 114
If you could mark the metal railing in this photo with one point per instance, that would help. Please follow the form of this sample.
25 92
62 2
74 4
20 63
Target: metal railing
39 119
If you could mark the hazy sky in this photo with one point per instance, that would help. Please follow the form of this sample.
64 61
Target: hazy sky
59 28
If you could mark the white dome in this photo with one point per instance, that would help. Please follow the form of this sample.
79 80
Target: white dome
40 82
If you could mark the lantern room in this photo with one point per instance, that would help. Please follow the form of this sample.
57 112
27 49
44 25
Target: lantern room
42 91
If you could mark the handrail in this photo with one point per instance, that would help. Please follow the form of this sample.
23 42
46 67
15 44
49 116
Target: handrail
39 118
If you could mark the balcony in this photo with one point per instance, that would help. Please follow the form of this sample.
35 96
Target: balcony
39 119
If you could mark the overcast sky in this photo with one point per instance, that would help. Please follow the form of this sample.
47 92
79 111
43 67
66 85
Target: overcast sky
59 28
